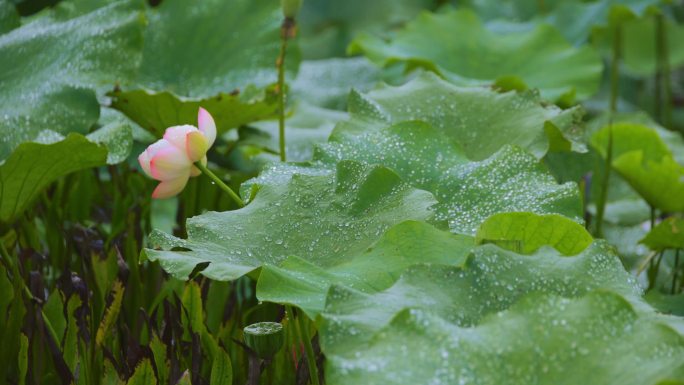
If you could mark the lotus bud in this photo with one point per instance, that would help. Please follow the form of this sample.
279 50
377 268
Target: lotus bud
171 159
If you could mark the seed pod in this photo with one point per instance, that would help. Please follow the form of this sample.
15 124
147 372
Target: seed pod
265 338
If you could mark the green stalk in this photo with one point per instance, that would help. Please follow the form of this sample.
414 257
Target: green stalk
310 357
281 89
615 69
614 89
657 86
674 272
653 267
663 95
653 271
293 324
220 183
303 336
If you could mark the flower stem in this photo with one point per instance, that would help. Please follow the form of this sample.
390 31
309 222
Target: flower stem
288 30
280 63
303 336
614 90
674 272
663 93
220 183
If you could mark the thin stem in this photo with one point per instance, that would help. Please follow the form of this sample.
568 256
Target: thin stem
615 69
291 319
281 88
220 183
646 261
254 374
674 272
603 197
653 271
310 357
663 95
651 226
657 91
614 89
303 336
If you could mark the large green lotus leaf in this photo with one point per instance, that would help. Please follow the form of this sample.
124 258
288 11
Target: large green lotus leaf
480 120
523 10
624 205
661 184
232 44
517 10
326 83
430 157
469 192
666 303
9 17
156 111
304 284
629 137
319 218
543 339
672 139
457 46
279 173
668 234
115 133
55 64
418 152
33 166
67 9
574 19
585 18
226 64
646 163
328 27
492 280
528 232
509 181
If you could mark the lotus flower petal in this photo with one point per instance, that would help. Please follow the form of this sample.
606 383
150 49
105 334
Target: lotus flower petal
169 188
196 145
177 135
206 125
169 162
171 159
194 171
144 161
149 153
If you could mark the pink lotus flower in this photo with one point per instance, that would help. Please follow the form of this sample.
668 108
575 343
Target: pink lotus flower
171 159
